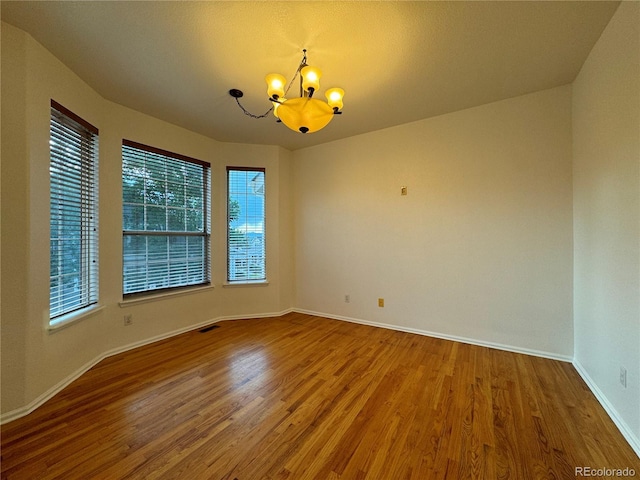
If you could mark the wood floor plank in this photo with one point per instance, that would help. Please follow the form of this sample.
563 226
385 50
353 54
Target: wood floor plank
301 397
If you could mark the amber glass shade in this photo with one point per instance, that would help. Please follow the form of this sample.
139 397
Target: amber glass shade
310 77
276 105
304 114
334 97
275 84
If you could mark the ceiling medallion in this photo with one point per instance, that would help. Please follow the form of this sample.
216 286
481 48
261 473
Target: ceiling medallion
303 114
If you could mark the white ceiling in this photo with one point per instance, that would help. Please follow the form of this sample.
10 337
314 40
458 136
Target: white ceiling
397 61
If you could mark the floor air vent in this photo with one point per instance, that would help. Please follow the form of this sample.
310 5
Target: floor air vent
209 328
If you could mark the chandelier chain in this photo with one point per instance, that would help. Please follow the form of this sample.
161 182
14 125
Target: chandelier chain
252 115
303 63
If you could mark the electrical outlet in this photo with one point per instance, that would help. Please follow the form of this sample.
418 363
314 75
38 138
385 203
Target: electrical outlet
128 320
381 302
623 377
403 190
347 298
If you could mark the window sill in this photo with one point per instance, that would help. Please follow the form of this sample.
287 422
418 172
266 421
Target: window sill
160 296
255 283
74 317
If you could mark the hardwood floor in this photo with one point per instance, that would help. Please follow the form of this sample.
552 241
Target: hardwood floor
302 397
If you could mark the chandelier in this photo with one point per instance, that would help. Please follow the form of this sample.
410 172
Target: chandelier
304 114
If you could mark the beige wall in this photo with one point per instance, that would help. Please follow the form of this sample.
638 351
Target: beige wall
13 218
480 248
606 169
35 360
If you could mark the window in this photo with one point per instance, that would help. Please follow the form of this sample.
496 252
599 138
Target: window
73 219
165 219
245 215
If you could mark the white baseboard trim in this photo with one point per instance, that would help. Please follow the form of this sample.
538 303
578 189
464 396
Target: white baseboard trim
444 336
631 438
41 399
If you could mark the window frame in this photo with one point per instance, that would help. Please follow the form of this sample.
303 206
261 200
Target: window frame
205 233
80 148
247 281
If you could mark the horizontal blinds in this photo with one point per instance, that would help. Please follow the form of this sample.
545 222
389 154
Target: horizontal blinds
73 171
164 153
166 211
246 257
